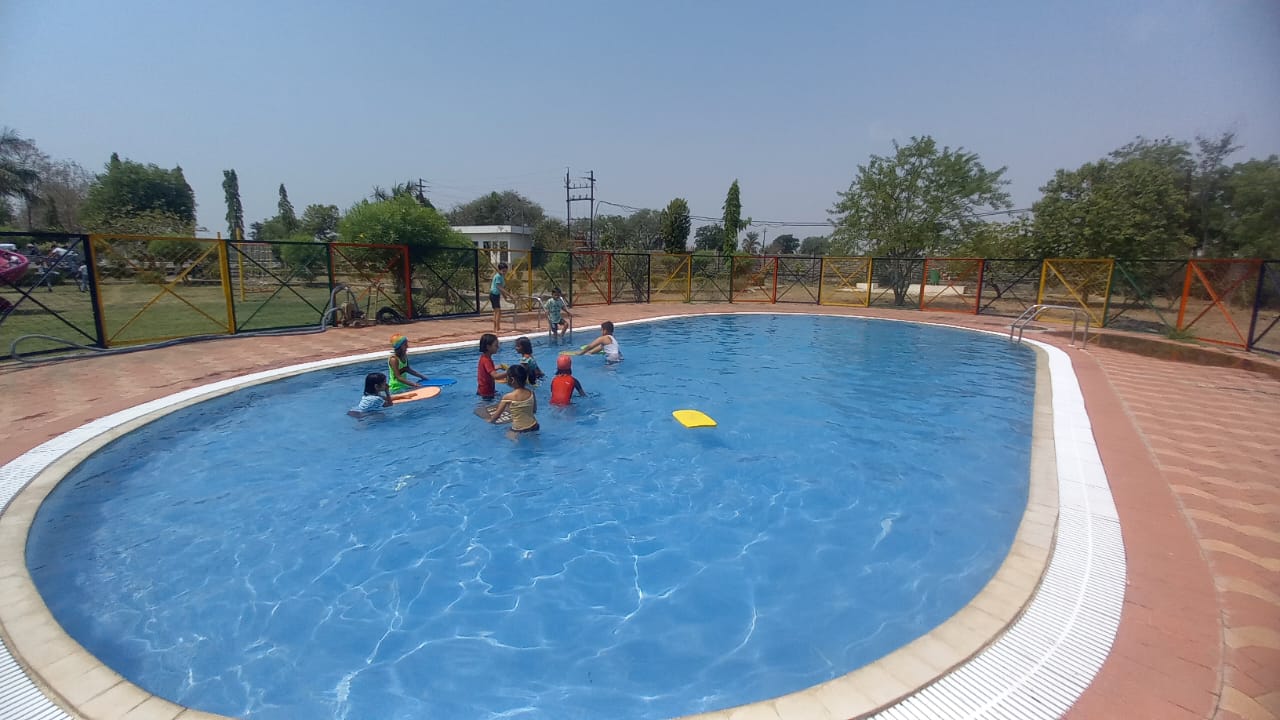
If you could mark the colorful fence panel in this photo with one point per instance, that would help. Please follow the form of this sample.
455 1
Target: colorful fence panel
279 285
1083 284
951 285
375 278
1217 300
447 282
153 289
1263 335
1009 286
1145 295
798 279
755 278
845 281
630 278
894 281
709 278
670 277
47 293
592 273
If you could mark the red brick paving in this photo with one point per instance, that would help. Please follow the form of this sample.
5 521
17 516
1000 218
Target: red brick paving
1191 453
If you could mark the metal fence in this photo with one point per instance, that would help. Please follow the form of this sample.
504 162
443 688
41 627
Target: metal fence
113 290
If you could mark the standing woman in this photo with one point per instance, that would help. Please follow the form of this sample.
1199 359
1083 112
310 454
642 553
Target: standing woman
398 366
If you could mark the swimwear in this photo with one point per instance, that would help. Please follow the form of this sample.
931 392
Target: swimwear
393 384
562 387
485 386
522 418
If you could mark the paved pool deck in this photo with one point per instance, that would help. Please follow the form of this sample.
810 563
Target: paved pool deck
1192 454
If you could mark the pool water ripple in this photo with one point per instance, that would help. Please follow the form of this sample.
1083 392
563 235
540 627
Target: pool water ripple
263 555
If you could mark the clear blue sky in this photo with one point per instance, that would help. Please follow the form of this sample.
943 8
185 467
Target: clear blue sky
661 99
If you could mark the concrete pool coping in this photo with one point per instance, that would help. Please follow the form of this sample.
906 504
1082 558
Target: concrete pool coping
1066 480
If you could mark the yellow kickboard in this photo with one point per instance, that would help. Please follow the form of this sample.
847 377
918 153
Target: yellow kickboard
693 418
415 394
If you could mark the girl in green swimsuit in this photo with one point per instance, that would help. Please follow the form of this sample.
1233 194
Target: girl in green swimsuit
398 367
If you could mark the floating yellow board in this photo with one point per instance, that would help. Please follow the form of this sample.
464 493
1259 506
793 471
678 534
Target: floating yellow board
693 418
415 394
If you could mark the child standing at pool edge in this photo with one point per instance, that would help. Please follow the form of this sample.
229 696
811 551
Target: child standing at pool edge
398 365
564 383
376 396
497 289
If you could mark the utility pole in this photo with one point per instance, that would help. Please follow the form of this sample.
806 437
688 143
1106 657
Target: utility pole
570 198
422 192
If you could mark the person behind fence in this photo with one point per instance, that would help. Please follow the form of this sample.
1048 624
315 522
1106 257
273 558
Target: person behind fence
525 347
498 288
606 344
564 383
398 365
556 307
521 403
82 278
376 396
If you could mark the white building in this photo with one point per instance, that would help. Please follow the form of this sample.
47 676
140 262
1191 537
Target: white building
500 240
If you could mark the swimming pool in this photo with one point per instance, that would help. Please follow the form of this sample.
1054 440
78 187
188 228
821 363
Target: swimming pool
738 561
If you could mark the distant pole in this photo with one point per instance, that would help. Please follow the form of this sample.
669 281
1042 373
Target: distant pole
591 175
568 209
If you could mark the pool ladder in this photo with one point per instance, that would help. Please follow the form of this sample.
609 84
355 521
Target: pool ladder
1030 314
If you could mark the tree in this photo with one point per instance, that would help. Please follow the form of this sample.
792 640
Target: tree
551 234
235 211
1211 174
410 188
708 237
993 239
18 176
1134 208
814 245
288 220
130 197
638 232
733 222
784 244
399 221
59 200
918 201
1252 199
751 243
505 208
674 226
319 222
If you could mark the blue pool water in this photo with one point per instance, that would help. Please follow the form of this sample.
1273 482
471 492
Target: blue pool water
264 555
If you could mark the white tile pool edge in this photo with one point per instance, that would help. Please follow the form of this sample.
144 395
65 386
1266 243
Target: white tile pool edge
1037 668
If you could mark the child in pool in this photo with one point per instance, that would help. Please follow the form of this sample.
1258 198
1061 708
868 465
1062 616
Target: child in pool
564 383
398 365
486 372
556 308
521 403
376 396
606 344
525 348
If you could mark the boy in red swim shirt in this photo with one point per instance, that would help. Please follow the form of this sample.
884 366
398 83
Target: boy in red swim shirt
565 383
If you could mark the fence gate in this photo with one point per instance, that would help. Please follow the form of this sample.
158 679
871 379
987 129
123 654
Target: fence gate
1085 284
845 281
1217 300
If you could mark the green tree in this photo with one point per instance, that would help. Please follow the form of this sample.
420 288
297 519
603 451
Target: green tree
284 208
319 222
674 226
235 210
921 200
1211 175
130 197
505 208
551 234
1134 208
993 239
784 244
59 200
19 176
399 221
410 188
751 243
732 221
1252 200
814 245
708 237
